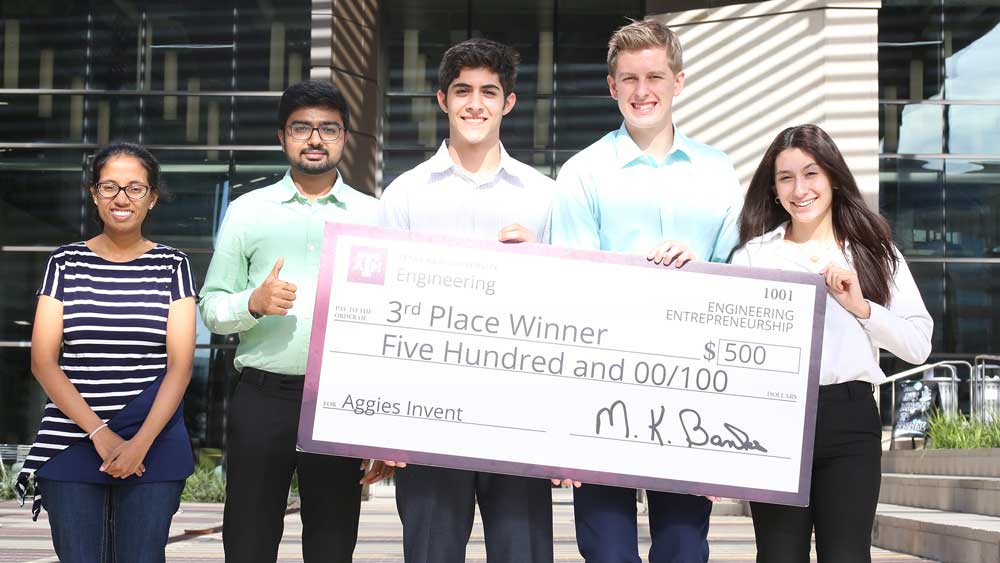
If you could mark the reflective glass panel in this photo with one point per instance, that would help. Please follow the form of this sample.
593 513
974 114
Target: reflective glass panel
911 197
972 211
910 48
971 43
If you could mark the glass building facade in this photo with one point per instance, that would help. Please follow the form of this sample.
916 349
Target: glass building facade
939 118
199 83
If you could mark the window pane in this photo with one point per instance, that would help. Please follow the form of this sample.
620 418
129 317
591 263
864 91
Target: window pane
972 36
43 38
256 121
582 121
911 197
191 47
525 25
972 191
33 118
395 162
920 128
529 124
42 197
417 35
41 207
197 183
255 169
187 120
584 28
21 397
272 44
974 129
116 53
909 54
972 305
414 121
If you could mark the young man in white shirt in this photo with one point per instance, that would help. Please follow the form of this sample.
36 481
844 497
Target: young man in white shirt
472 188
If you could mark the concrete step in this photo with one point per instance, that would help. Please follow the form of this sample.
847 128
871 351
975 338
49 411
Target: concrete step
975 495
978 462
949 537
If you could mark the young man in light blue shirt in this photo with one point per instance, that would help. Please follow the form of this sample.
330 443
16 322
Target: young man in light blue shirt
646 189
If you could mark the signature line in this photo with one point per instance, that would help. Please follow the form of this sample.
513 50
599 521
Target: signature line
676 446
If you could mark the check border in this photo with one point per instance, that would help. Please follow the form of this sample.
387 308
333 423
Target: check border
310 393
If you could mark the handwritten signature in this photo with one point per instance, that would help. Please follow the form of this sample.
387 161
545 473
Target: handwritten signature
696 435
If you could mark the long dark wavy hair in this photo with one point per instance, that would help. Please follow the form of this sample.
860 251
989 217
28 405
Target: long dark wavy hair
865 232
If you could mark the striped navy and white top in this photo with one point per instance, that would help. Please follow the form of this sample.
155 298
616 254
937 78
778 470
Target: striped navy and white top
114 351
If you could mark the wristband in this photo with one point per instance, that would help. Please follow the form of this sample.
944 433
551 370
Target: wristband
96 430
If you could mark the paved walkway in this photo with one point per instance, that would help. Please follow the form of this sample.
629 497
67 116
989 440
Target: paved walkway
21 540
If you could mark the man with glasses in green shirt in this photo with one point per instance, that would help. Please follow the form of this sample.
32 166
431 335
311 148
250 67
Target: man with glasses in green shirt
262 284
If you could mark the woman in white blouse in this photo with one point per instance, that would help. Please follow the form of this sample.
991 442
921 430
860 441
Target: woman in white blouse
804 212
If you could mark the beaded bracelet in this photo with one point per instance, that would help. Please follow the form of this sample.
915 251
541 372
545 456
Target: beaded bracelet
96 430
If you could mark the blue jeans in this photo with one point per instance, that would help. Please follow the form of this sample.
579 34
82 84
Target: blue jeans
110 523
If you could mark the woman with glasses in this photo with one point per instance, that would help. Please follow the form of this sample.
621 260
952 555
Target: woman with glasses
803 212
112 346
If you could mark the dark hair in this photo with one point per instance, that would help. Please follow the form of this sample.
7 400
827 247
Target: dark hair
310 94
479 53
868 234
125 148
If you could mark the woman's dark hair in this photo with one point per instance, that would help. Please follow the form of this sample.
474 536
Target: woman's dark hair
310 94
863 231
124 148
479 53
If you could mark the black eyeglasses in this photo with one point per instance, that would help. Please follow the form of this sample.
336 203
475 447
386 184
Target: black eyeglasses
134 191
303 131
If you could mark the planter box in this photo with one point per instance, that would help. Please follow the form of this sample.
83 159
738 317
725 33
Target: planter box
981 462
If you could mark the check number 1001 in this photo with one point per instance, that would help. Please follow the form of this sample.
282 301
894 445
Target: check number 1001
777 294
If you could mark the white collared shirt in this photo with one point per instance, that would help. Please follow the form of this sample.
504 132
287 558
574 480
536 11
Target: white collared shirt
850 345
438 196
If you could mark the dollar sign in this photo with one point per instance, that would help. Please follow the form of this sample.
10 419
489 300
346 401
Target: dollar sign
709 351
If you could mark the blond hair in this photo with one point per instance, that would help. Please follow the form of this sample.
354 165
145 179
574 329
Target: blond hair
645 34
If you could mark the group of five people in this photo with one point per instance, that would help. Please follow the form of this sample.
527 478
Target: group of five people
114 331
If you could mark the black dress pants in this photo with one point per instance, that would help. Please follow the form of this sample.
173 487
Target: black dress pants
260 459
437 507
846 476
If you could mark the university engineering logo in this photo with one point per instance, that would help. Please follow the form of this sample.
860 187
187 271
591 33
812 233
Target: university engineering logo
367 265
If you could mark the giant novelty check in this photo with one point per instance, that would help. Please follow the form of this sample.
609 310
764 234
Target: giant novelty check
535 360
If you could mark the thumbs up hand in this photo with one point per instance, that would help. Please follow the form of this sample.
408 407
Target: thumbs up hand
273 296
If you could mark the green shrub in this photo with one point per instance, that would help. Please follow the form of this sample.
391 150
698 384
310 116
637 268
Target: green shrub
206 484
7 483
958 431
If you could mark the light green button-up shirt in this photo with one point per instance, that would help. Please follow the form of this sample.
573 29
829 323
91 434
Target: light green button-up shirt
267 223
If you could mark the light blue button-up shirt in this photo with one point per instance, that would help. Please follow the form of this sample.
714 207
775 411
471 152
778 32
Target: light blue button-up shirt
612 196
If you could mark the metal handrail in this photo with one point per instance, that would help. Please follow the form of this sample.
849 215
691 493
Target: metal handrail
978 408
919 369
